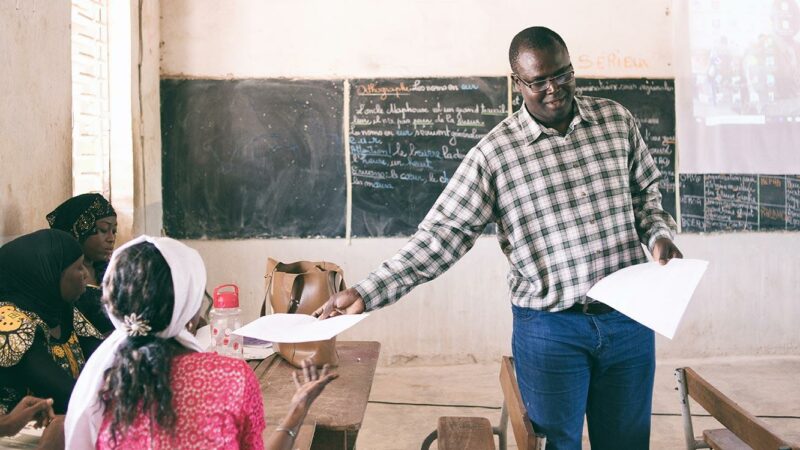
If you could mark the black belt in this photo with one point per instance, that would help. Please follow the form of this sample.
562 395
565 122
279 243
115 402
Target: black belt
593 308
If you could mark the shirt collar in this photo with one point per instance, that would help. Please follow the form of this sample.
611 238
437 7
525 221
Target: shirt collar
533 129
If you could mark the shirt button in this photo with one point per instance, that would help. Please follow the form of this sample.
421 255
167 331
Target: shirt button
591 222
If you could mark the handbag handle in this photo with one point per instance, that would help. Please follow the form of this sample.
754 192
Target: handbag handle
335 281
295 295
272 266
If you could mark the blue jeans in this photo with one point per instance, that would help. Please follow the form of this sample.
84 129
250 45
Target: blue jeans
569 364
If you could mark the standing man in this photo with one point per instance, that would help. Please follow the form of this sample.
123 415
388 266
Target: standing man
573 191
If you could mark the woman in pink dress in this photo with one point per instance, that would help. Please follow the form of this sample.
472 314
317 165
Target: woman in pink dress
149 386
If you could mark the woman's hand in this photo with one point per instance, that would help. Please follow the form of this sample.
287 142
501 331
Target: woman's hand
313 384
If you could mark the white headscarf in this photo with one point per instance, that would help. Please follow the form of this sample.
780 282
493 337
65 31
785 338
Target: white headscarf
85 412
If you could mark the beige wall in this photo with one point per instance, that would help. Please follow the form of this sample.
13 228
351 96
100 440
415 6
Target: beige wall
328 39
35 113
747 303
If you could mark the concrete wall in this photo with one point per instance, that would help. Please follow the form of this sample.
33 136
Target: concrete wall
747 303
35 113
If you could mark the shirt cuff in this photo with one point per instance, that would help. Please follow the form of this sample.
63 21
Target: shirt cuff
369 292
658 234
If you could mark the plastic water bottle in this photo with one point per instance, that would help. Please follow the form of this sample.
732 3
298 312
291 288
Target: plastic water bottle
224 318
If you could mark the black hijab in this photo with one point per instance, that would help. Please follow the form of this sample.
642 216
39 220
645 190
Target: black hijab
79 215
30 274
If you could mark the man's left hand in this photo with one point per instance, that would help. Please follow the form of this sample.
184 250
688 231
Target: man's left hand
664 250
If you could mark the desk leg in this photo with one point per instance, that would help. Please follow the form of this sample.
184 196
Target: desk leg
334 440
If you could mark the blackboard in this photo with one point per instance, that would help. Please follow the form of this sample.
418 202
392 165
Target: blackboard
407 137
266 158
739 202
253 158
652 103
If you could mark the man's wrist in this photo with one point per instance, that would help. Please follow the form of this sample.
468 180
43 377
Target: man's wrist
362 292
663 234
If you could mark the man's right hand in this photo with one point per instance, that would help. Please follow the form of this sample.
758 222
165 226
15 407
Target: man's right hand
348 301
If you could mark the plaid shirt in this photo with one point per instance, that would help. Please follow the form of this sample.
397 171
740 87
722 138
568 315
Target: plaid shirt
569 209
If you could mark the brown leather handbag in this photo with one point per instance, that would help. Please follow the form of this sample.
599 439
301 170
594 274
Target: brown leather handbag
302 287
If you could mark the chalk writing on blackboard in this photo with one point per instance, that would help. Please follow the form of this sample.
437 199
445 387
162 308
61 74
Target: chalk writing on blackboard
739 202
407 137
771 202
793 202
731 202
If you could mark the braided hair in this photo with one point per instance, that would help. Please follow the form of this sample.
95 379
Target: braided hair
138 381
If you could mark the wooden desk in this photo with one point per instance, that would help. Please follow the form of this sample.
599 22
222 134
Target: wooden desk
339 410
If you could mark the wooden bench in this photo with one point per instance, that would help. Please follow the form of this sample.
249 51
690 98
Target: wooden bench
467 433
743 431
462 433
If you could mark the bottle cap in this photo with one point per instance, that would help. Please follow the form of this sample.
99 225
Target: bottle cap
226 296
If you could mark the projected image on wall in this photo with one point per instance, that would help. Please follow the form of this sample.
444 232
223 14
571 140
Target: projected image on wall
738 86
745 61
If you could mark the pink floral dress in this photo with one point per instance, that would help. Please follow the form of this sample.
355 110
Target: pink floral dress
218 404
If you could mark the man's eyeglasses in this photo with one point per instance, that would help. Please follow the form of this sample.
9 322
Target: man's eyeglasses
542 85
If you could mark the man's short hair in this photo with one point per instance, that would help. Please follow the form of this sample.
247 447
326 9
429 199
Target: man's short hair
533 38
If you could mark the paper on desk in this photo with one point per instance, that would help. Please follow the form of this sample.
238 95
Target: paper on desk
654 295
28 437
250 349
293 328
203 336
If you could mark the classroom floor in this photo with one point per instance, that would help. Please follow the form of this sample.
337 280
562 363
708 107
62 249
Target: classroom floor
406 401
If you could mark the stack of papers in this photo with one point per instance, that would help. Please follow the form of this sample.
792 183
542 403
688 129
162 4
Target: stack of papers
251 349
256 349
28 437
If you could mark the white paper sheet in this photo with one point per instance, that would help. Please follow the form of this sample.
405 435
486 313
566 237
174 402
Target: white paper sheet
203 336
28 437
654 295
293 328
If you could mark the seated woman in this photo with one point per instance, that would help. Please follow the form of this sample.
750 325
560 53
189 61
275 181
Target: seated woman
44 340
149 381
93 222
